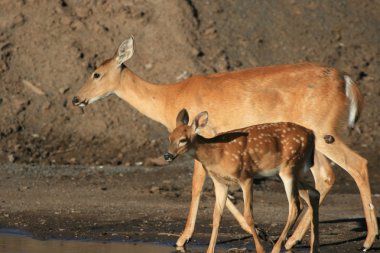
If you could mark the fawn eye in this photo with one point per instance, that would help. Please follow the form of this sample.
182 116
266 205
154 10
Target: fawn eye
182 141
96 75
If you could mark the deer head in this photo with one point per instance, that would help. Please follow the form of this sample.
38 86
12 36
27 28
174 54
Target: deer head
182 138
105 79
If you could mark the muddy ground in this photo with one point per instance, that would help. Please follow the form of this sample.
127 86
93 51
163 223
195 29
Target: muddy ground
51 183
130 204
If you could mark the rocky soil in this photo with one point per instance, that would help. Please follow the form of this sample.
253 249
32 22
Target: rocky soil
49 48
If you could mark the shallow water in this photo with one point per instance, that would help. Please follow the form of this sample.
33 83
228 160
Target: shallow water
14 241
21 244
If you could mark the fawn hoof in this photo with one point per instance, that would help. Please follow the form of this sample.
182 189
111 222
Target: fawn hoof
180 249
363 249
263 235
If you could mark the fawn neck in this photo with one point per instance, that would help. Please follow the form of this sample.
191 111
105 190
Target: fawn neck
205 150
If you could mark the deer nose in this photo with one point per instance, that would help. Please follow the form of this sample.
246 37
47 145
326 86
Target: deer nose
168 157
75 100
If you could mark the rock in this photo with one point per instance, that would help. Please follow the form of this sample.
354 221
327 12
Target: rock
33 87
64 90
195 51
153 143
83 12
154 189
148 66
77 25
3 66
184 75
11 158
211 32
19 104
222 63
65 20
46 105
12 22
158 161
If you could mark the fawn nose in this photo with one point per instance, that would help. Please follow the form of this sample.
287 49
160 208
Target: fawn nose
168 157
75 100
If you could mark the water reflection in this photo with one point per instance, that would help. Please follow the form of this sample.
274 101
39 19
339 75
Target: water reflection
11 243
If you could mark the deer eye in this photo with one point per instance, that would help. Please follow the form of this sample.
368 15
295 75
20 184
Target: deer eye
182 141
96 75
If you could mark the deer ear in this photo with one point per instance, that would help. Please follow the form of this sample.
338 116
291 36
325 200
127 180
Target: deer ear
200 121
125 51
182 117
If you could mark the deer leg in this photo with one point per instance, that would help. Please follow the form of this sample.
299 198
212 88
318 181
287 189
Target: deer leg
220 201
324 180
294 207
199 177
356 166
247 195
236 213
311 197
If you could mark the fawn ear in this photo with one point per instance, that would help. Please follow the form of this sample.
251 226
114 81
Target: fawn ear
182 117
200 121
125 51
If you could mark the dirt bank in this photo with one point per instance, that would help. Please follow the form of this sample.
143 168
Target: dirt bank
48 49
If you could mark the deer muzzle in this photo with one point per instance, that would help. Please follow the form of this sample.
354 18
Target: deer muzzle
77 102
169 157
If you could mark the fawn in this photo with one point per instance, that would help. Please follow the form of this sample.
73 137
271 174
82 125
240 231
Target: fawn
235 157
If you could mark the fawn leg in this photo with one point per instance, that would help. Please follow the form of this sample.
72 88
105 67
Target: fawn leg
220 201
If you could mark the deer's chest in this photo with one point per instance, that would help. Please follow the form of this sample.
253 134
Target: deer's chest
225 176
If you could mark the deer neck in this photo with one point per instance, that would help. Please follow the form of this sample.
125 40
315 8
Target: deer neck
149 99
